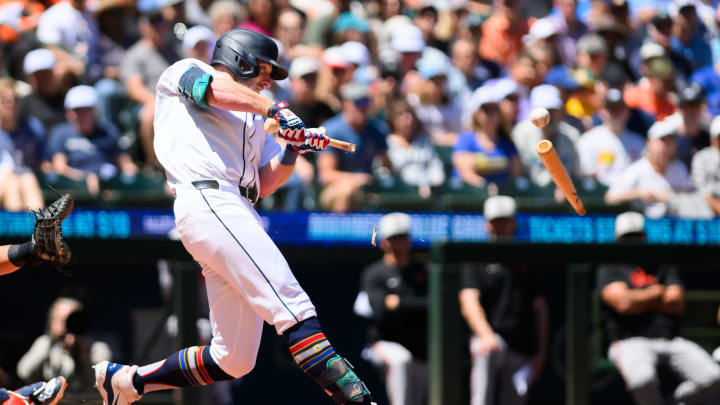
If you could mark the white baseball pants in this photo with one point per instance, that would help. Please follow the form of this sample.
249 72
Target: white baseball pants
637 359
248 280
491 377
406 378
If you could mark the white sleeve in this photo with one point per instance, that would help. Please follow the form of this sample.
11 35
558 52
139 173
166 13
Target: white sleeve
170 79
588 163
47 32
7 163
624 182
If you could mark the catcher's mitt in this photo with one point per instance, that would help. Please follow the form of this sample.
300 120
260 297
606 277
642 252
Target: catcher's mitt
47 237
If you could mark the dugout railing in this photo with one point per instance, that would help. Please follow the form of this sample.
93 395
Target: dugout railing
446 329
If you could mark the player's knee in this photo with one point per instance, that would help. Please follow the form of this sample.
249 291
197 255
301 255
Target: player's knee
397 356
238 366
641 376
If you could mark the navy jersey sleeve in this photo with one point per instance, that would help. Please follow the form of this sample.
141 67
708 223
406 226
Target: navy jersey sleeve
470 276
672 276
607 274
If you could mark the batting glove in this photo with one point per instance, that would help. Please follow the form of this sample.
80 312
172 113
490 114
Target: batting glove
316 139
292 129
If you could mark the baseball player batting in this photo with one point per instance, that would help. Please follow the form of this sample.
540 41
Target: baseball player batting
209 137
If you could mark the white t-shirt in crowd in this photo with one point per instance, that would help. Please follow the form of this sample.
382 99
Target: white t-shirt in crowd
605 155
642 176
65 26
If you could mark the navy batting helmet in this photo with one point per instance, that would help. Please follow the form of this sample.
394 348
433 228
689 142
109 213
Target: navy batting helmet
239 50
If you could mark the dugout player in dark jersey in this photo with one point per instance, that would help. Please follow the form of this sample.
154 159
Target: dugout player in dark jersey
643 305
508 317
394 295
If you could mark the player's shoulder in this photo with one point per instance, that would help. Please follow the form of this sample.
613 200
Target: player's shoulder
184 64
376 269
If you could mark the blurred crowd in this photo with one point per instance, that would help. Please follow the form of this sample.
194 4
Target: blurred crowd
436 94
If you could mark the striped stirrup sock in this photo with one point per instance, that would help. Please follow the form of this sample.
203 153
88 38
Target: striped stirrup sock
189 367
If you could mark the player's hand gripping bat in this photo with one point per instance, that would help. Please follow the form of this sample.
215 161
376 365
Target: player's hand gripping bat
273 126
550 159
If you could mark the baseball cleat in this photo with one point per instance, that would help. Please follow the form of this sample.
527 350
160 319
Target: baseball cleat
49 393
114 383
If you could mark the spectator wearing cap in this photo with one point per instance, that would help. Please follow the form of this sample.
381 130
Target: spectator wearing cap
336 71
262 17
436 109
652 94
141 69
69 30
652 50
407 40
652 180
21 143
687 38
393 295
583 102
506 311
503 32
607 149
45 102
342 174
482 156
525 135
198 43
543 34
643 306
226 15
350 27
593 53
81 148
303 75
570 29
689 121
411 151
706 169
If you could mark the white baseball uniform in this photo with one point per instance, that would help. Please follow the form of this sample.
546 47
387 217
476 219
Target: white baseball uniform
247 278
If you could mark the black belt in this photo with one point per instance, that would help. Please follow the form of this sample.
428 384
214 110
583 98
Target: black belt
250 193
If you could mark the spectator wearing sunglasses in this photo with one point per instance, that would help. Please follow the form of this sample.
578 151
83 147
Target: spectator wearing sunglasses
341 173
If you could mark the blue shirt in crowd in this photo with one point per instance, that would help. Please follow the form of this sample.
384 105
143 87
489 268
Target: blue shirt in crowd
498 158
25 143
370 143
697 52
86 153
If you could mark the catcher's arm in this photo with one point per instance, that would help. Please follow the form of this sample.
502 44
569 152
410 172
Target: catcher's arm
6 267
